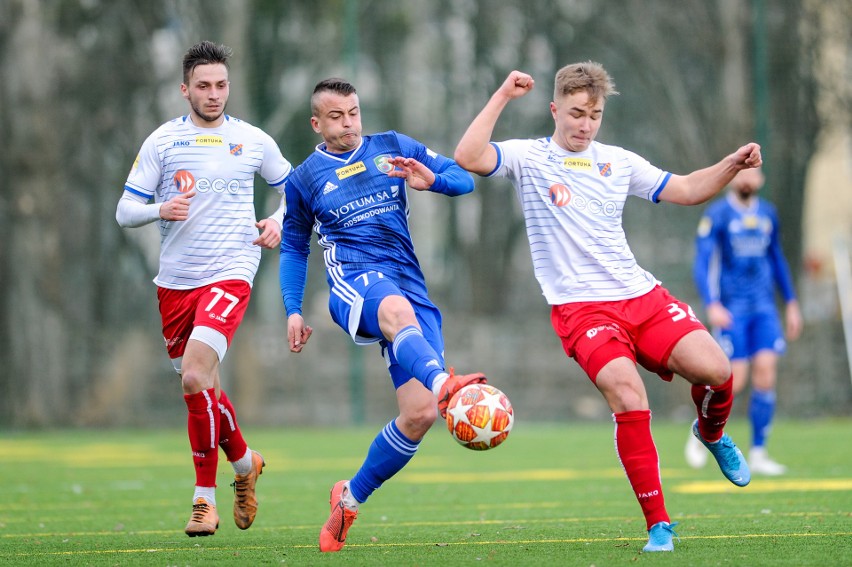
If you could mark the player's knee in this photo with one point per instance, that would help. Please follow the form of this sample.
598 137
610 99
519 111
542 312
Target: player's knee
193 381
420 420
626 399
395 313
717 370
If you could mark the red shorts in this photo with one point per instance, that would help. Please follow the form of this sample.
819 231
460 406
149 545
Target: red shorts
644 329
220 306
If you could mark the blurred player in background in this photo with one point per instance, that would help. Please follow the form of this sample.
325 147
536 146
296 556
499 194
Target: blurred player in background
199 170
738 263
609 312
352 192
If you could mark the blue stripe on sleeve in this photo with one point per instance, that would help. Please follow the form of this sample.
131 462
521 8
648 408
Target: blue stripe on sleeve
656 196
499 160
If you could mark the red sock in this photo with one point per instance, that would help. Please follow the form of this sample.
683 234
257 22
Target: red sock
638 455
230 437
714 407
203 427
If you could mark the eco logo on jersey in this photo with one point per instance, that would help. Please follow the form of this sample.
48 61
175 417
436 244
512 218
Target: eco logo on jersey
605 169
351 170
382 164
236 149
209 140
560 195
184 181
581 164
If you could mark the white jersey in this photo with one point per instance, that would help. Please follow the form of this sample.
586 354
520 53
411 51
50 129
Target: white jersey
573 204
215 242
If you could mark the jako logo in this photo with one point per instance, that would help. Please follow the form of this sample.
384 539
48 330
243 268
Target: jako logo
647 495
560 195
185 181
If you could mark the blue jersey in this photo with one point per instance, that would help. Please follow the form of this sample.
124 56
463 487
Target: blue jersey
359 213
738 259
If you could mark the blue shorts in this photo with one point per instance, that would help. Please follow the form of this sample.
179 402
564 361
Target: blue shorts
354 305
751 332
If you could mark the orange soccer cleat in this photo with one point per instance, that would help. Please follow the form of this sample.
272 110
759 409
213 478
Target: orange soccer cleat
333 533
245 501
204 520
454 384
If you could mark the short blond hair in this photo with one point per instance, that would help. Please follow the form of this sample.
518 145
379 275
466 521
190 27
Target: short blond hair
588 76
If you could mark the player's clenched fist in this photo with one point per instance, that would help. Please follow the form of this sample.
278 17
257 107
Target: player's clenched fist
517 84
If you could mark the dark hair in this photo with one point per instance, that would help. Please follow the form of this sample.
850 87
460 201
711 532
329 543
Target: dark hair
334 85
204 53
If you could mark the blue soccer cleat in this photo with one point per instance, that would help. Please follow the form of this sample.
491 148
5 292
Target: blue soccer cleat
730 458
660 537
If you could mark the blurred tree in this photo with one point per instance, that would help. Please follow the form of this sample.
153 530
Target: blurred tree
85 81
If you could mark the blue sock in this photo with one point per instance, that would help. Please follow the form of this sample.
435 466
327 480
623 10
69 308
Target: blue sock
761 408
416 356
389 452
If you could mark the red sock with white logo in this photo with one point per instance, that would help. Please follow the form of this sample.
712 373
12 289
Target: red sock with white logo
638 454
714 407
203 428
230 437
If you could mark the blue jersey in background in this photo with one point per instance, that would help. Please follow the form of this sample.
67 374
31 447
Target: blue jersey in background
738 263
738 259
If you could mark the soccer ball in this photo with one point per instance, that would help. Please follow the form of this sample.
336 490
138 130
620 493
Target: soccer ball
480 417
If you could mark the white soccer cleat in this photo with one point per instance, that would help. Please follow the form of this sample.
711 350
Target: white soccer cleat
760 463
695 452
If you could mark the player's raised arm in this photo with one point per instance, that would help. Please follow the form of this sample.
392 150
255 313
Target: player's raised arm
704 184
474 152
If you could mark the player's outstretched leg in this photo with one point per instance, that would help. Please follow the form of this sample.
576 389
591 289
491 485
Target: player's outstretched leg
730 458
245 499
333 533
204 520
453 384
660 537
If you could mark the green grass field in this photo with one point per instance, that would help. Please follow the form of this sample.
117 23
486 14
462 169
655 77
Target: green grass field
551 495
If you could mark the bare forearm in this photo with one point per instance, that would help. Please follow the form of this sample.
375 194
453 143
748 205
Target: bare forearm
704 184
473 151
708 182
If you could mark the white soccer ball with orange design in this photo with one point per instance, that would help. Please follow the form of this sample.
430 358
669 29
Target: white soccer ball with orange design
480 417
